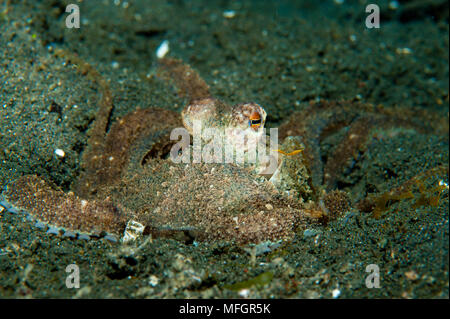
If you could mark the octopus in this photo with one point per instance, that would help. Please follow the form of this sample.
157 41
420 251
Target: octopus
129 186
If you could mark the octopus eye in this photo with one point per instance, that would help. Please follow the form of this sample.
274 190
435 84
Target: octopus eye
255 121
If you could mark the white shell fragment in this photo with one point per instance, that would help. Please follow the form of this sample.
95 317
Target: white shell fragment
404 51
229 14
163 49
133 230
244 293
153 281
59 152
336 293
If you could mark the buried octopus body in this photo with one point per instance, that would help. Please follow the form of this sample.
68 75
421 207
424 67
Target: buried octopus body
126 177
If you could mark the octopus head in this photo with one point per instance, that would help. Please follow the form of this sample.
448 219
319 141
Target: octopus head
249 116
203 110
247 124
242 124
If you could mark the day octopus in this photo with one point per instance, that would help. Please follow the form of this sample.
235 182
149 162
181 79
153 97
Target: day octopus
129 186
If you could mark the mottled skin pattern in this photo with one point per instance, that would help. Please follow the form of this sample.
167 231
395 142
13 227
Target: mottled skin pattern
232 121
127 170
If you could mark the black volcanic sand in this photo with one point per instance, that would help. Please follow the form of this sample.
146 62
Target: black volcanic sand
280 55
